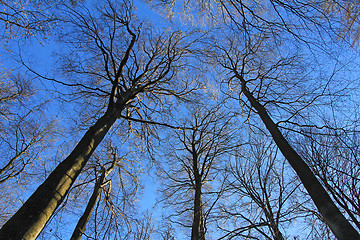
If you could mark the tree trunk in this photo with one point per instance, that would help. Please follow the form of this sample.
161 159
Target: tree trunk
275 230
197 230
31 218
338 224
81 225
273 224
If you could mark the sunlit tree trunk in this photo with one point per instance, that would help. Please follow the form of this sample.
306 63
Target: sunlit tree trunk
127 71
31 218
338 224
81 225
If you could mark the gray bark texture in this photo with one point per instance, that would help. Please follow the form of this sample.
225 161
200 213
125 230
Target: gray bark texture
332 216
30 219
81 225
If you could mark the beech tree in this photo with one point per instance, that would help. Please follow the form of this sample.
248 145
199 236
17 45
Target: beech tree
25 128
22 133
110 210
272 80
333 157
274 64
23 137
191 174
104 187
143 64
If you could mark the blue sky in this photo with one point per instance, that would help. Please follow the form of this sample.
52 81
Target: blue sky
41 58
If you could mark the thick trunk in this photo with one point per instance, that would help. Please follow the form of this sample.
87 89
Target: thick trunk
197 230
31 218
338 224
81 225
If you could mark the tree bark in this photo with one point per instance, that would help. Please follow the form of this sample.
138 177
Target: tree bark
273 224
338 224
197 230
81 225
31 218
275 230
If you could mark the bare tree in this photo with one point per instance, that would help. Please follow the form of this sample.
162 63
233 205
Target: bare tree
333 156
125 72
262 198
27 18
99 185
24 136
143 228
22 131
190 174
113 200
115 67
257 81
318 24
347 13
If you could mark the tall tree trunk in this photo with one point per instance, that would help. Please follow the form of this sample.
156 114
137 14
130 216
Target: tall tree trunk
31 218
338 224
81 225
197 230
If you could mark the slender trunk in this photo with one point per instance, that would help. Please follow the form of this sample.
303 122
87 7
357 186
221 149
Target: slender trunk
275 230
81 225
31 218
273 224
338 224
277 234
197 230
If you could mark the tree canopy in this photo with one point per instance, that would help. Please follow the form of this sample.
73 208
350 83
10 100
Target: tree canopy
173 119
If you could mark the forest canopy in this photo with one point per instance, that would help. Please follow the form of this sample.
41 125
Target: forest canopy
195 119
